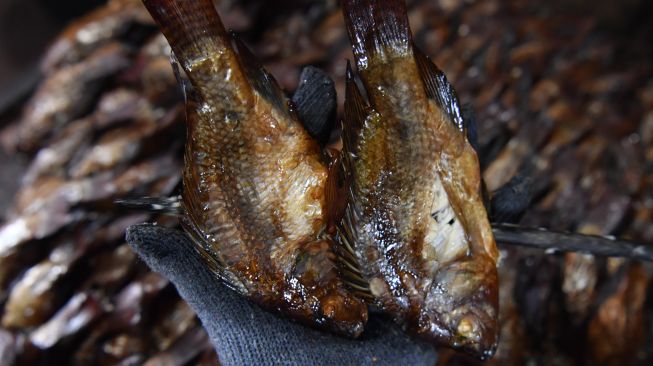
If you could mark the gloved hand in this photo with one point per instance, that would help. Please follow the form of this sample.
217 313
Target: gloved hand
244 334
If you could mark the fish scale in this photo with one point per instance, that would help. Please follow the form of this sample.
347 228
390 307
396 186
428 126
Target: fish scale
406 159
254 180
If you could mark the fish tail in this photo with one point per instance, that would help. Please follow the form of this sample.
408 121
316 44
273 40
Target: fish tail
193 28
378 30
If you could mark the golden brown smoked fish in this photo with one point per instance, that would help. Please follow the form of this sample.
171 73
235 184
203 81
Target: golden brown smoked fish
254 180
415 221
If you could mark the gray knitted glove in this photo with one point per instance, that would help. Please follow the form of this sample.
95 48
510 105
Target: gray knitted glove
243 334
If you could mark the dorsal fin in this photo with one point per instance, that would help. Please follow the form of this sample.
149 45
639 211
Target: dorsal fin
357 111
259 78
337 197
377 29
439 89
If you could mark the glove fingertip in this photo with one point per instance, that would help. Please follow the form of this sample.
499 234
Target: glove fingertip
316 103
152 241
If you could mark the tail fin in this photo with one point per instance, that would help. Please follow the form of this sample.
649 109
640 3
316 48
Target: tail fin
378 30
193 28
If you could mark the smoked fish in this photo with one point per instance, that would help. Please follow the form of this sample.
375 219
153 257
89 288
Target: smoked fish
253 197
414 224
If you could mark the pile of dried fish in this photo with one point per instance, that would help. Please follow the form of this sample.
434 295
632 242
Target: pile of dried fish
558 99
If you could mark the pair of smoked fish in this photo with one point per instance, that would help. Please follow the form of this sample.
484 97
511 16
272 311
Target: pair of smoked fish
397 221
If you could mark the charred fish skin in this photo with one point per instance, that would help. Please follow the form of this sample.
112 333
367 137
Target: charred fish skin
415 220
254 180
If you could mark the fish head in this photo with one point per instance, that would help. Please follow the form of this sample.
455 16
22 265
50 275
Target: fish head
460 310
342 313
325 300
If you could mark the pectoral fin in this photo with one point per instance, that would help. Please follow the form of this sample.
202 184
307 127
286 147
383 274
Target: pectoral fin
357 112
259 78
439 89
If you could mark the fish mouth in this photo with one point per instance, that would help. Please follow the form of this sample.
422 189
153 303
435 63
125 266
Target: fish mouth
343 314
471 332
475 333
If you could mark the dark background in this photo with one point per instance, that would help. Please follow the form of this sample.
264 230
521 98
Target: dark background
26 27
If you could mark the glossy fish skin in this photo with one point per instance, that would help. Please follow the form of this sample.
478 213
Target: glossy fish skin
254 180
415 220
